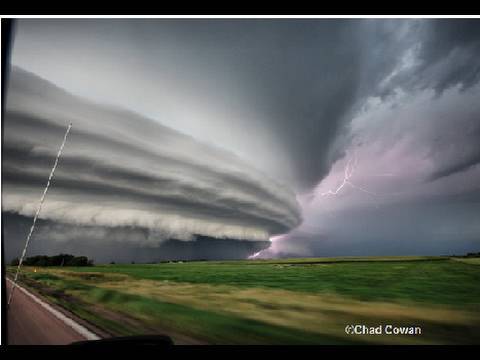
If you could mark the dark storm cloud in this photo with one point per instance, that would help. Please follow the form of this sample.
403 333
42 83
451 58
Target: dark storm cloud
292 97
119 244
449 54
290 85
437 55
134 172
461 165
444 54
439 226
296 82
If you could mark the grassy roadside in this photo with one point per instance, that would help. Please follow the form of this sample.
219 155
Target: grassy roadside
273 303
122 313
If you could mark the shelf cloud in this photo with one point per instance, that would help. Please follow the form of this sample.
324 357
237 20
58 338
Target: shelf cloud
120 169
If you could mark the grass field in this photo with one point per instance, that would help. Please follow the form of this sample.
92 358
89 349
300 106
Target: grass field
297 301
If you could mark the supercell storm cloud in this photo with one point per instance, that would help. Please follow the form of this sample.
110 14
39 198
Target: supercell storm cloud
211 130
120 169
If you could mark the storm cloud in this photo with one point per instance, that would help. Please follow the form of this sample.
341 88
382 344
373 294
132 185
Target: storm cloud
247 117
119 244
120 169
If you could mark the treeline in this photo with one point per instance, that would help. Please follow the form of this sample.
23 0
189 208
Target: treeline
468 255
475 255
56 260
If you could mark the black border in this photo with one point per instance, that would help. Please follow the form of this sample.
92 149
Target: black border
8 28
240 8
261 351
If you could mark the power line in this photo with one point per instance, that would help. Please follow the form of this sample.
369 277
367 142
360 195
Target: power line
36 215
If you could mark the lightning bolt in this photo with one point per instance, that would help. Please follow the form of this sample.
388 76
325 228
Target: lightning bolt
255 255
272 241
348 173
347 180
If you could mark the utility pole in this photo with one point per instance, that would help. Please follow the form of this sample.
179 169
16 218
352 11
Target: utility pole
36 215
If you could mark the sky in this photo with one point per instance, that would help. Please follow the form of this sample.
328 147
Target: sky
235 138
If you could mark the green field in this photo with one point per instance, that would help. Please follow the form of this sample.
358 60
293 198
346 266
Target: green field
296 301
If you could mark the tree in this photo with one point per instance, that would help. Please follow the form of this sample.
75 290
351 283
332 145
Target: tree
57 260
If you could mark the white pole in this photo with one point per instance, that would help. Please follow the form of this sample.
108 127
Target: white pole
36 215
